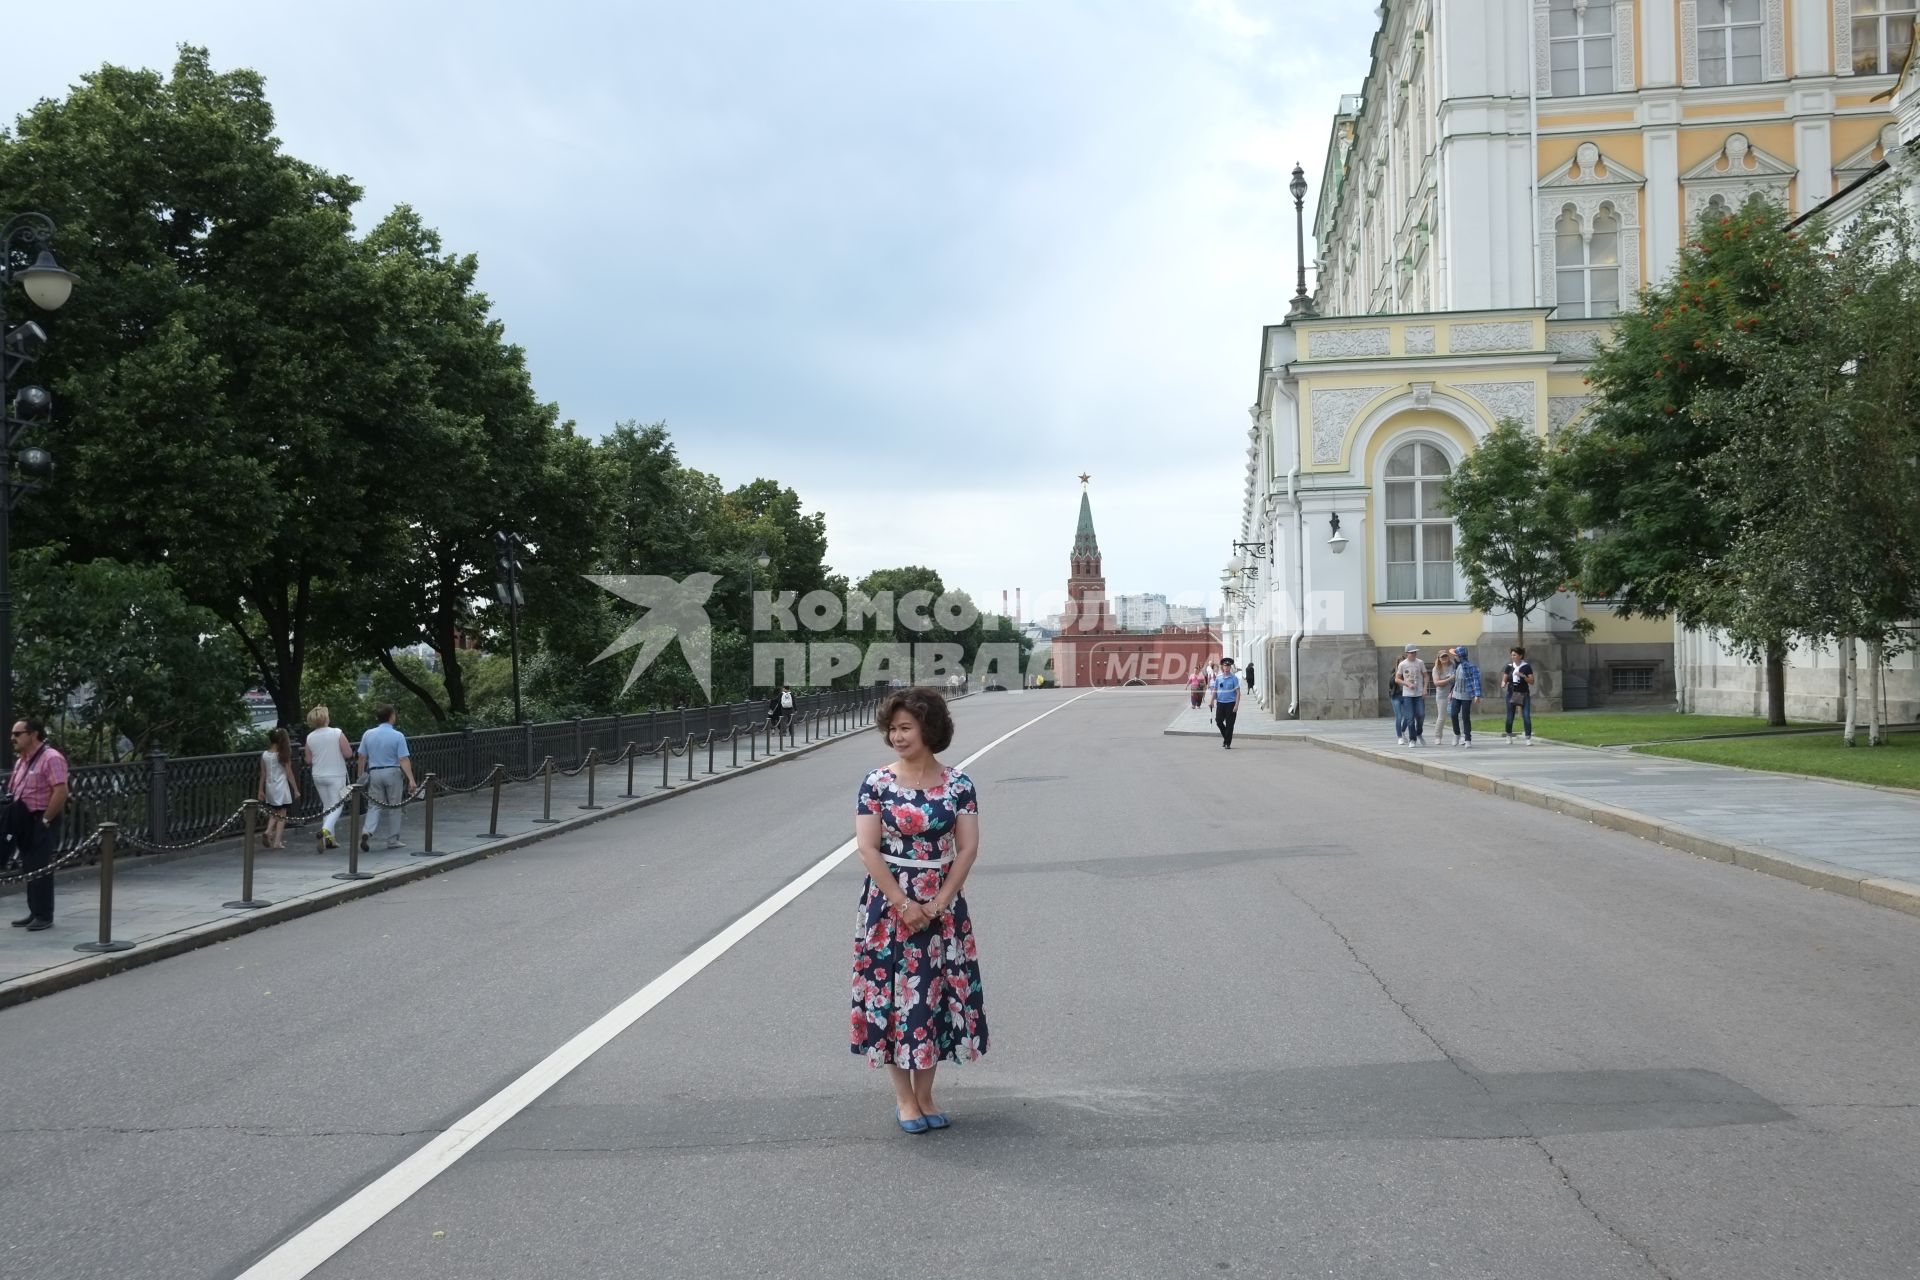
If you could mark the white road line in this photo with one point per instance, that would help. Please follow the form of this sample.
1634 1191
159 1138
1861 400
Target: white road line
337 1229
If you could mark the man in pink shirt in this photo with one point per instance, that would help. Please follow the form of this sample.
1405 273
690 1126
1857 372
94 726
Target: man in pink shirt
38 795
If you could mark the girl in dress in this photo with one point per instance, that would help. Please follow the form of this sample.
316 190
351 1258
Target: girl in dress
916 974
278 790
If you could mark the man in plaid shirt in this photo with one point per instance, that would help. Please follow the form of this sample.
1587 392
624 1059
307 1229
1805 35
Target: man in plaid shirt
38 791
1466 695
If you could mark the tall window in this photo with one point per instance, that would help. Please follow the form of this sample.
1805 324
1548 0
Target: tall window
1587 263
1732 36
1882 35
1419 530
1580 43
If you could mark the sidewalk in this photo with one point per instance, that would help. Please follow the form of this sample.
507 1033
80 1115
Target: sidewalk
1863 842
166 905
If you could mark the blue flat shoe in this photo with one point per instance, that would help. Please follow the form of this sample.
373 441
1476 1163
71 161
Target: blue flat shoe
937 1120
916 1125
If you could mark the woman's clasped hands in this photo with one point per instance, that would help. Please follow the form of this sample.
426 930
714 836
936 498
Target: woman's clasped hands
917 916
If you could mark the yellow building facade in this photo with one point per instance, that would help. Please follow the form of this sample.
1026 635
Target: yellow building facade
1510 175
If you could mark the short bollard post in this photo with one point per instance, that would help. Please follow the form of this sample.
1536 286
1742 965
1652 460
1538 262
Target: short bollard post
109 832
753 745
666 755
546 804
709 753
356 800
593 760
498 777
632 755
689 748
427 787
734 738
246 900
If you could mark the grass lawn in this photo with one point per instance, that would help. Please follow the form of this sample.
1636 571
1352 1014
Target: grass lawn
1822 754
1600 729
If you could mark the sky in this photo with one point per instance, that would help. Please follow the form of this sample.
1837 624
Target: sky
925 261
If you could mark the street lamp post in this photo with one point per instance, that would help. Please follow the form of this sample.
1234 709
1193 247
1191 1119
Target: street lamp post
1302 304
47 285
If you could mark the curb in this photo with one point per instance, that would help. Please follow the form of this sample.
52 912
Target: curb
1863 885
79 972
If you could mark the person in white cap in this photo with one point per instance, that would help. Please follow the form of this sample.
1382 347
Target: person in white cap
1411 676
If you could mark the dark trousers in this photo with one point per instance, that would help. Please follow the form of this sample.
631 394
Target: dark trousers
36 852
1525 707
1416 709
1463 719
1224 714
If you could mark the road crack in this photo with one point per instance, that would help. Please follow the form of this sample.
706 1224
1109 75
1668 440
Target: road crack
1560 1171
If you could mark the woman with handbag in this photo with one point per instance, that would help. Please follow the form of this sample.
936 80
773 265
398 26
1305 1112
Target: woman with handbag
917 998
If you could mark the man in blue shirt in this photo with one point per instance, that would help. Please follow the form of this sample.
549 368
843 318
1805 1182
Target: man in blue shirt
388 768
1226 701
1466 696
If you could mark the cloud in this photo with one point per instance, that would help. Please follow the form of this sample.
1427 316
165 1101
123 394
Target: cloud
923 262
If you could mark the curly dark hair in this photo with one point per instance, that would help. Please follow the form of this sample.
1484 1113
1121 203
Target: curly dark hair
926 706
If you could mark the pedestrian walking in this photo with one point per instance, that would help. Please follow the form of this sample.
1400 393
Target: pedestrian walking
1226 702
1516 689
1197 686
388 768
1466 696
328 756
1441 678
1399 708
1411 676
279 789
917 997
1249 679
780 709
37 796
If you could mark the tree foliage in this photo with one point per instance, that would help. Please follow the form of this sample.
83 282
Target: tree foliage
1518 543
1821 461
118 662
1659 536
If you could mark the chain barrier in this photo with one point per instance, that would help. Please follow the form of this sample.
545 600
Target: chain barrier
67 859
143 845
498 774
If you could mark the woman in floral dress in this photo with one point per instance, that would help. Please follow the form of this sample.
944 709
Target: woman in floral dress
916 974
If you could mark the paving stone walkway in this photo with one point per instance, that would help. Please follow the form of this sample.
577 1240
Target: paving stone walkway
156 898
1859 831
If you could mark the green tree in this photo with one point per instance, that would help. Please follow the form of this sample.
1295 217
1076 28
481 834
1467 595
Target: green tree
1659 538
1518 541
227 379
495 455
111 653
1822 456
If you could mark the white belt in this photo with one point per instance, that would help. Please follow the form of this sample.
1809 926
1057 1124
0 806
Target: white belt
915 862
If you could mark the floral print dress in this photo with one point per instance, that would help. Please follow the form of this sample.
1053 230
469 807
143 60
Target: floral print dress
916 997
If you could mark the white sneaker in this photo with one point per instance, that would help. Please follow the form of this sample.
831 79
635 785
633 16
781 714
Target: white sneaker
1507 738
1467 743
1529 739
1400 741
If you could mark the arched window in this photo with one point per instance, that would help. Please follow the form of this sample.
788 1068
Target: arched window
1419 530
1587 263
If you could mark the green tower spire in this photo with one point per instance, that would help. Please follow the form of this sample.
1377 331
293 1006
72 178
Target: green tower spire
1085 545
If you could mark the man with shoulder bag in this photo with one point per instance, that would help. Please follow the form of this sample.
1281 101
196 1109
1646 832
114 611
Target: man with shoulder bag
37 796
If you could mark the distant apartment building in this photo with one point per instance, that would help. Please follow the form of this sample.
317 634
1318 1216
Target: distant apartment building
1144 612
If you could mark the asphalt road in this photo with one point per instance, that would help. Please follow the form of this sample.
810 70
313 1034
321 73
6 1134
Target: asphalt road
1272 1012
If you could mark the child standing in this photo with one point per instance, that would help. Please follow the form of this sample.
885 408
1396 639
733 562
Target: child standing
278 790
